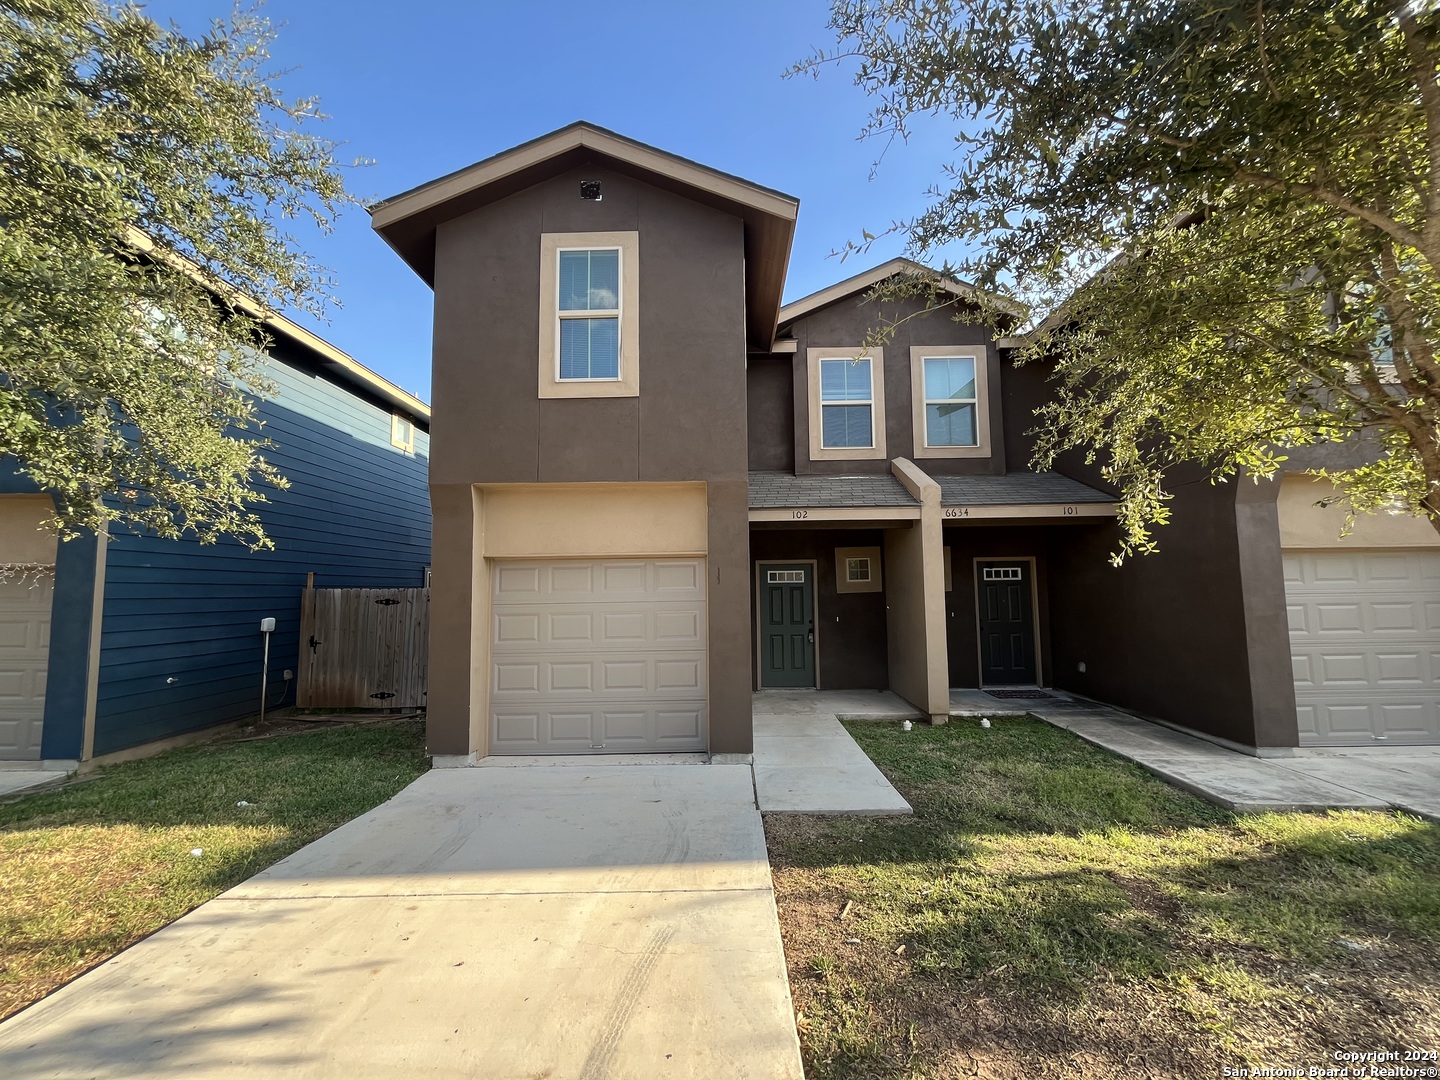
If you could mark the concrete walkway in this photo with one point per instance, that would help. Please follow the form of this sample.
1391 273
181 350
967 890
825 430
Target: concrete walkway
594 921
14 781
1405 778
807 763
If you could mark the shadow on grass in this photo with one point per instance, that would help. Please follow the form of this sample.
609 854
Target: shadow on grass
1039 860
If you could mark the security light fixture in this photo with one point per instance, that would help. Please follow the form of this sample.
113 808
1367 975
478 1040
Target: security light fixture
590 189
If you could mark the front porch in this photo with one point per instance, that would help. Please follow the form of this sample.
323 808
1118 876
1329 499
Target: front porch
915 584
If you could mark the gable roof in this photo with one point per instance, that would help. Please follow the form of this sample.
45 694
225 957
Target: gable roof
407 221
337 363
868 279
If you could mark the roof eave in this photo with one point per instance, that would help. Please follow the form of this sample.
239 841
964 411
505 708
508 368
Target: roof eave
407 222
868 279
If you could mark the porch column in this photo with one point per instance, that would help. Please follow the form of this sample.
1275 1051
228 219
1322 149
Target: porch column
915 600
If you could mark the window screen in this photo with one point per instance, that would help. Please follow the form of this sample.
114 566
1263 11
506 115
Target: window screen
589 309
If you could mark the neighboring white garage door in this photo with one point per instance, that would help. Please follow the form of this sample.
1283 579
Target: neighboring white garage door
1365 645
24 660
598 656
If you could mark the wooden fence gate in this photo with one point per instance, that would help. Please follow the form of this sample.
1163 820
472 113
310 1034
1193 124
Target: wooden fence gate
363 648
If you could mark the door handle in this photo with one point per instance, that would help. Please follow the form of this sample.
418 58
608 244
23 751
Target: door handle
810 635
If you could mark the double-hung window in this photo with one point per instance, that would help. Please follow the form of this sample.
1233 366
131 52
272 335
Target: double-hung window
950 401
589 314
847 404
948 390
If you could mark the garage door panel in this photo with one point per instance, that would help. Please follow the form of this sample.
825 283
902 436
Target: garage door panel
638 729
1365 645
598 675
678 725
1403 617
599 655
660 626
1401 670
24 661
1335 619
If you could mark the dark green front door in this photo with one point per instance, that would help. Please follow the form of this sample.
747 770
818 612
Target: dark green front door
1007 624
787 624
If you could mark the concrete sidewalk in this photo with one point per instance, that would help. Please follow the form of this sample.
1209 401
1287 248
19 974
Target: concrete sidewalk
584 921
807 763
1405 778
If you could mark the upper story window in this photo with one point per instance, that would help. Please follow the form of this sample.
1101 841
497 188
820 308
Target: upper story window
847 403
589 315
402 433
950 401
948 388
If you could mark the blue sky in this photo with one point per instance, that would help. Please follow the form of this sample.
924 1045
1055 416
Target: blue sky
426 87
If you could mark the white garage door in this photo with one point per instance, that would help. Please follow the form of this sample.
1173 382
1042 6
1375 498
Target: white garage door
1365 645
598 656
24 660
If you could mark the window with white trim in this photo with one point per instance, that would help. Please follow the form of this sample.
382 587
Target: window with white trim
951 401
402 433
857 569
847 404
588 308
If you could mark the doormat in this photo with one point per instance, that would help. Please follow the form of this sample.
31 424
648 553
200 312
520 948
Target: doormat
1019 693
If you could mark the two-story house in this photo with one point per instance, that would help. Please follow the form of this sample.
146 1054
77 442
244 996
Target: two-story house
656 489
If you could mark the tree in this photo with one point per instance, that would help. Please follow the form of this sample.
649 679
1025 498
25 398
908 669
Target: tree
145 181
1226 214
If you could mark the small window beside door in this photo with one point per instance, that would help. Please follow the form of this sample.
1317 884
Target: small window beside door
857 570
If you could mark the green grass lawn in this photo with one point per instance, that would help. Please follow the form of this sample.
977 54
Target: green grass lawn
90 869
1053 911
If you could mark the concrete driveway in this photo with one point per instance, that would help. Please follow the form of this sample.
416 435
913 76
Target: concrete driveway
561 921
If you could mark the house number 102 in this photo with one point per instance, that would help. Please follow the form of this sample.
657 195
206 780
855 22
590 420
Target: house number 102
800 514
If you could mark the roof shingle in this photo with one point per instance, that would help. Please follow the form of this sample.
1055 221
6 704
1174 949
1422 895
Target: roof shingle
780 490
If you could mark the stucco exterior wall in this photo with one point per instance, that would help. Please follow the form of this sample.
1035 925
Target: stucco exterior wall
490 427
847 323
1303 524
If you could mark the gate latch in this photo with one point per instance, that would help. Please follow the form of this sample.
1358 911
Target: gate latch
387 601
314 643
382 695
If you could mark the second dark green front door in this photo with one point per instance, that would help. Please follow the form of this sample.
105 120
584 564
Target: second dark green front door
787 624
1007 629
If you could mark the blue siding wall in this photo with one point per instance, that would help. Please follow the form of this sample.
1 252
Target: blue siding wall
180 639
70 613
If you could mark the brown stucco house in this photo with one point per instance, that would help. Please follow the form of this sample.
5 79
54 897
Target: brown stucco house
656 489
